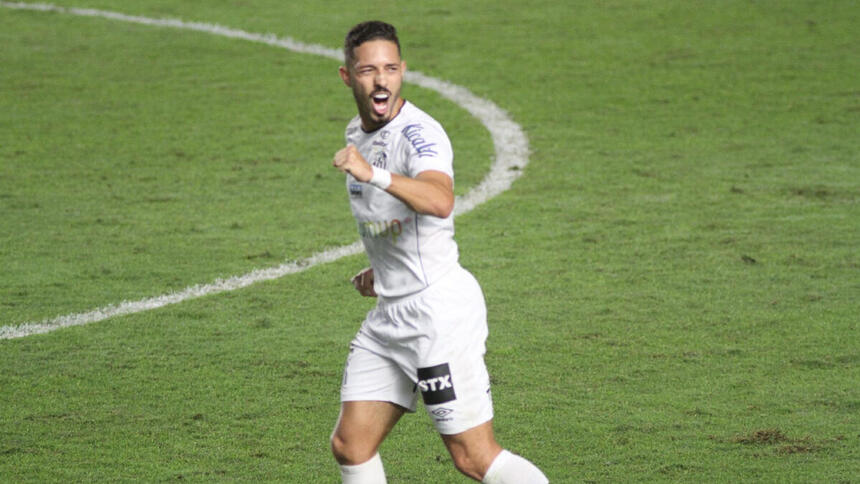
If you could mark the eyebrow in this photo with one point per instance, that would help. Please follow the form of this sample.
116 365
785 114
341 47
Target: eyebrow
359 67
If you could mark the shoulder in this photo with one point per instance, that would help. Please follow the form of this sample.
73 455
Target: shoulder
422 143
353 125
422 132
413 115
353 132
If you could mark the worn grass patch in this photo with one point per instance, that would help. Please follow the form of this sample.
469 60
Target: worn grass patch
782 444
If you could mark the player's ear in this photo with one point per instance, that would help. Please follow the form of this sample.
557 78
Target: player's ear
344 75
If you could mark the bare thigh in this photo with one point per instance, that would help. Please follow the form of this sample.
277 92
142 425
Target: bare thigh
361 428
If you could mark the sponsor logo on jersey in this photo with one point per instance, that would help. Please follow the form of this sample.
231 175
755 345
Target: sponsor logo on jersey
382 229
424 148
436 385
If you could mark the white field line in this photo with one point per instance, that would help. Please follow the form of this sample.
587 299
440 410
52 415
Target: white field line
511 156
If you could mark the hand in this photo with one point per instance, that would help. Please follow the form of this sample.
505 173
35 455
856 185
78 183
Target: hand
363 282
349 160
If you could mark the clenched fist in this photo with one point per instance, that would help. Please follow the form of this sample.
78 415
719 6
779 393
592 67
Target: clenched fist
349 160
363 282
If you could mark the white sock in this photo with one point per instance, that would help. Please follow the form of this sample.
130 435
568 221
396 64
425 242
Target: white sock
370 472
510 468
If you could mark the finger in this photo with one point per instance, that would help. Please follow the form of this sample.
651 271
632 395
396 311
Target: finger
341 156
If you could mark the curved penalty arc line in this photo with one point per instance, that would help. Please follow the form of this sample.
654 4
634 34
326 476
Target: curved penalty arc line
509 140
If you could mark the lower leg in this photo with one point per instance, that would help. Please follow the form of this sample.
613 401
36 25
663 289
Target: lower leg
473 450
509 468
361 428
370 472
477 455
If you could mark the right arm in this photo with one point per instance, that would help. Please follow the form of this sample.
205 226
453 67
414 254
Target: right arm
431 192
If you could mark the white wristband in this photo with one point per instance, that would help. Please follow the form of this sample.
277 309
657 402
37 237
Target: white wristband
381 178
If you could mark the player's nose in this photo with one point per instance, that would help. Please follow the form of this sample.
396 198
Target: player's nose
380 79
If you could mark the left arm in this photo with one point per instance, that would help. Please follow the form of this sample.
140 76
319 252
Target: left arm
363 282
430 192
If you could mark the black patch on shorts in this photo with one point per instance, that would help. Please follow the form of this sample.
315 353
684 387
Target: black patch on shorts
436 385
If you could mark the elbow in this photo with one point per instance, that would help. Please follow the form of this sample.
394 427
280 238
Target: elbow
437 195
439 208
445 208
444 213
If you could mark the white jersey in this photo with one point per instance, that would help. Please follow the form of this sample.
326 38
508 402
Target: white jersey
408 251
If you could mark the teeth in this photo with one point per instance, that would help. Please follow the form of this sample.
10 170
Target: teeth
380 97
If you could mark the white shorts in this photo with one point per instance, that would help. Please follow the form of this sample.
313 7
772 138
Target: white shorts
432 342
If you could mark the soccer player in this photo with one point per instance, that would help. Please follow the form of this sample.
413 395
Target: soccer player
428 330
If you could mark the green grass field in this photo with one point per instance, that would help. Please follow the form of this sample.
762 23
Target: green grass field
673 283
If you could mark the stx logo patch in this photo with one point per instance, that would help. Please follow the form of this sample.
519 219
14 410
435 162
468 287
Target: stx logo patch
436 385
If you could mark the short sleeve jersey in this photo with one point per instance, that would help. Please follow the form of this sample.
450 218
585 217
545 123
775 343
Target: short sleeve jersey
408 251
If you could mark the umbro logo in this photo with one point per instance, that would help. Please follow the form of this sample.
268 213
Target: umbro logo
442 412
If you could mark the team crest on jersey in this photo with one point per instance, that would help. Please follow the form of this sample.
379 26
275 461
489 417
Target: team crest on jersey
381 160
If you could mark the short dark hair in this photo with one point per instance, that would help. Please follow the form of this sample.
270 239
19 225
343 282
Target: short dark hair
365 31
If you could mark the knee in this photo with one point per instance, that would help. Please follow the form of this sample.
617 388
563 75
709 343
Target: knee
348 453
340 449
470 464
467 467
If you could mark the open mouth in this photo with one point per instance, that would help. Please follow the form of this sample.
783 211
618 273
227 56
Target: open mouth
380 102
